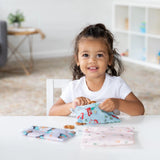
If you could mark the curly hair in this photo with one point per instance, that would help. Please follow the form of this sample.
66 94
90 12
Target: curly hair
98 31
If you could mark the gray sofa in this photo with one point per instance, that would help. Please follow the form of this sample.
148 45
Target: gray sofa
3 43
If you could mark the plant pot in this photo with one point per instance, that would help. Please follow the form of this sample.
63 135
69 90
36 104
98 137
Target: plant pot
17 25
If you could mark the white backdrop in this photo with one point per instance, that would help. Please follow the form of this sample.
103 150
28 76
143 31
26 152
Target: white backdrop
60 20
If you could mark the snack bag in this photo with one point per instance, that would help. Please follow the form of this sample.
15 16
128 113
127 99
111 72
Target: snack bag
107 136
54 134
92 114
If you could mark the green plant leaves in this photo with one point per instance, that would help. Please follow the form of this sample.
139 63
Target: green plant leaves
18 17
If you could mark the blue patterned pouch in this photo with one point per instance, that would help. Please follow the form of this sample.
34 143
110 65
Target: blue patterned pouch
54 134
93 114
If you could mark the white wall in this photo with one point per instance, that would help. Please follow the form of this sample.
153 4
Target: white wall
60 20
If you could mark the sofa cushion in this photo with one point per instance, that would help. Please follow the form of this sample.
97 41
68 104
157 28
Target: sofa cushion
3 43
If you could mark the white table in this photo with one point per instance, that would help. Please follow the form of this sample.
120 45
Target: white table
14 146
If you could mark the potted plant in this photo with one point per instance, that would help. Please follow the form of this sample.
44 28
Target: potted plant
16 18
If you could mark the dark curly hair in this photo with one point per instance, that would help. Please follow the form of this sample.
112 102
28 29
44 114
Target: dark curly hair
98 31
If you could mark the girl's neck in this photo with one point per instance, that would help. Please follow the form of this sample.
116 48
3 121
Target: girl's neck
95 84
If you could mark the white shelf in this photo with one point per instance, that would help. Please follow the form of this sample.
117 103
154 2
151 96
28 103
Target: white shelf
122 44
153 36
121 31
137 45
137 31
153 48
138 19
121 16
154 22
155 66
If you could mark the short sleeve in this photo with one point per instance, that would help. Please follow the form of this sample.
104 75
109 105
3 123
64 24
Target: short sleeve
124 89
66 95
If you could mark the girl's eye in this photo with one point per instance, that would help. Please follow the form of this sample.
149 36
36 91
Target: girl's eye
85 55
99 55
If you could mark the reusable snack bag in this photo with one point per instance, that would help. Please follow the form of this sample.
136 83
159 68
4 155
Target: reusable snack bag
92 114
107 136
54 134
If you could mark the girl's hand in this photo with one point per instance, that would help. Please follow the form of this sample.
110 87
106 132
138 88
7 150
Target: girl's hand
80 101
109 105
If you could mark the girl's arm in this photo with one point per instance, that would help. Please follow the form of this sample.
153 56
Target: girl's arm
131 105
60 108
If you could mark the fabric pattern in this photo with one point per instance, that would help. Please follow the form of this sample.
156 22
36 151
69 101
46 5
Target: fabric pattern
54 134
107 136
92 114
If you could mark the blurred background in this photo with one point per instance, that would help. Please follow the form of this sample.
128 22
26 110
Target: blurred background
60 21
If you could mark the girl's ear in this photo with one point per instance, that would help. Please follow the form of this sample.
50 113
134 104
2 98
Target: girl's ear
110 60
110 63
78 64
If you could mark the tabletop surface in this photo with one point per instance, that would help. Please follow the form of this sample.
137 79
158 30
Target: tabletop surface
21 31
13 145
25 31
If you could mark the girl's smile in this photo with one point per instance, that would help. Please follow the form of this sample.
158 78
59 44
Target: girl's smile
92 68
93 57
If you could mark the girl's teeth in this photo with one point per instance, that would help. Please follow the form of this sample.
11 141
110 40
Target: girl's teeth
92 67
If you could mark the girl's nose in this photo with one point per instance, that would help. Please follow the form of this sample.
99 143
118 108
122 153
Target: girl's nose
92 59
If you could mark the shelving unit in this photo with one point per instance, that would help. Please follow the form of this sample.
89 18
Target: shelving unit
137 32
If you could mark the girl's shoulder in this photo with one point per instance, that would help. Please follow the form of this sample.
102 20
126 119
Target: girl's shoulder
78 82
114 79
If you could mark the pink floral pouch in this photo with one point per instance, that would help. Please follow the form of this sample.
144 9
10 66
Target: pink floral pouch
107 136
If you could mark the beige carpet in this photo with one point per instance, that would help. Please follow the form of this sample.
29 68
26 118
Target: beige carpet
26 95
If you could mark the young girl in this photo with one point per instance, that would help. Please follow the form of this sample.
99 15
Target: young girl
96 71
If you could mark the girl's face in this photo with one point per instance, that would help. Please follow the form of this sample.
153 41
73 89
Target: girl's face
93 57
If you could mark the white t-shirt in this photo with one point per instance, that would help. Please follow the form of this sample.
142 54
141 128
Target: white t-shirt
113 87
